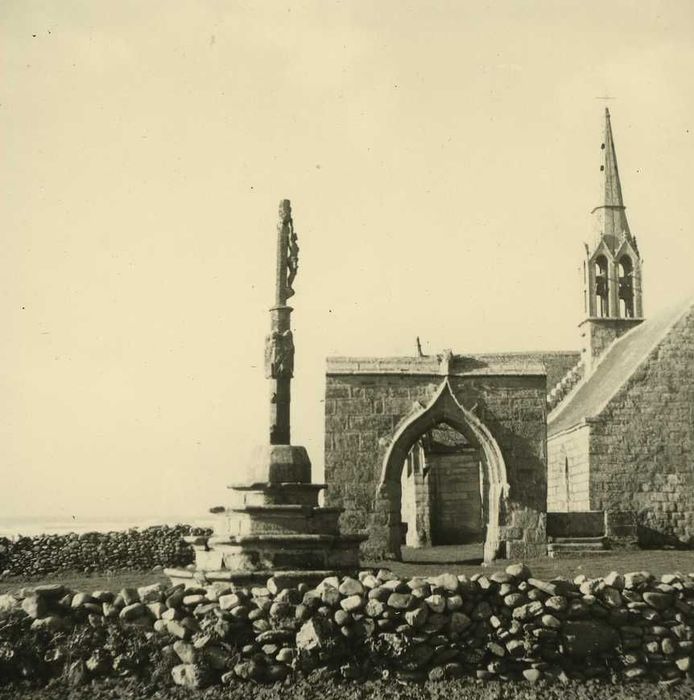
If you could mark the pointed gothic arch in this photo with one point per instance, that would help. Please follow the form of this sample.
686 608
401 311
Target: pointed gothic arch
443 408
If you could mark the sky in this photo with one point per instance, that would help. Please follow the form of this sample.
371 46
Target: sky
442 159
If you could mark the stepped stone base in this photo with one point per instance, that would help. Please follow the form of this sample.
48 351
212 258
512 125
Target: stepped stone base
577 547
277 552
278 519
276 494
273 525
587 523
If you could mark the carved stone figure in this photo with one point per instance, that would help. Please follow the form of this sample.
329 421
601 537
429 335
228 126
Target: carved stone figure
292 258
279 355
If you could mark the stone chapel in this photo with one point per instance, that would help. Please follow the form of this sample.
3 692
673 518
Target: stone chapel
530 453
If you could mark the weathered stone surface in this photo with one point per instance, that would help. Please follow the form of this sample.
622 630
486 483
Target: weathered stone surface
519 571
34 606
588 637
51 590
129 596
448 582
417 617
551 622
330 596
556 603
150 594
314 634
400 601
50 623
352 603
611 597
459 622
657 600
185 651
436 603
528 611
615 580
375 608
350 587
8 603
342 617
177 629
132 612
157 609
545 586
514 600
532 675
190 675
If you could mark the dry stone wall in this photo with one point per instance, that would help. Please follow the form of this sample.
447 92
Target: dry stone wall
97 551
506 625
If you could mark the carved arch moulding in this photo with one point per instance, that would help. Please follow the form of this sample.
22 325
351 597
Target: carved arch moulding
444 407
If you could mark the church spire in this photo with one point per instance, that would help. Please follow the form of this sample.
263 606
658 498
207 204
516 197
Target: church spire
612 266
614 226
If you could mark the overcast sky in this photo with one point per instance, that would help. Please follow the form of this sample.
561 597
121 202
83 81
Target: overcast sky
442 159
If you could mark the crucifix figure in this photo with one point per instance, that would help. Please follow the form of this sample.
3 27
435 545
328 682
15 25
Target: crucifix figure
279 344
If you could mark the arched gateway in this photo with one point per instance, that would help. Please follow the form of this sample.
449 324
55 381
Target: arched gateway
479 423
443 408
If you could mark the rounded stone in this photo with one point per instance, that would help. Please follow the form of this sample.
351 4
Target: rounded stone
279 463
399 601
519 571
350 587
532 674
352 603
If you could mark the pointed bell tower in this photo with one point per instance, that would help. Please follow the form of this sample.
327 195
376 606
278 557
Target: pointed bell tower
612 266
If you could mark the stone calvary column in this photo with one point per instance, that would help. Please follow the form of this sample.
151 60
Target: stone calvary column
273 522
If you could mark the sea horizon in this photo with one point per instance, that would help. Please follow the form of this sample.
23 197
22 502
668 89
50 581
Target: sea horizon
32 525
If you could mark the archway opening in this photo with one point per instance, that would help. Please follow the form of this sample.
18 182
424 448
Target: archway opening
626 287
387 529
443 490
602 287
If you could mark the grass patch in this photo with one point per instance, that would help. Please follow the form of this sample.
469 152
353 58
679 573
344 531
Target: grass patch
467 559
88 582
457 559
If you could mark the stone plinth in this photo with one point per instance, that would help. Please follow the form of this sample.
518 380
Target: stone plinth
274 523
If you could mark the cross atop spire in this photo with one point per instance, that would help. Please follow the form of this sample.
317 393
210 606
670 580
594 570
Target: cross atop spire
612 215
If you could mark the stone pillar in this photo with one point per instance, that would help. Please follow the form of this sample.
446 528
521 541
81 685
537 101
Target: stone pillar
589 289
279 368
638 294
613 289
279 348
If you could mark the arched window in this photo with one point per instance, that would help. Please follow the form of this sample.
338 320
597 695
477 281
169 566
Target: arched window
626 287
601 287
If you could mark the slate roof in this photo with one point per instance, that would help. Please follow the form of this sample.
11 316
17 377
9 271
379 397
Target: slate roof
618 364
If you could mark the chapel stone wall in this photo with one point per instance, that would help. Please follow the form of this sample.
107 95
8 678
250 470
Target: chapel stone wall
642 444
568 471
